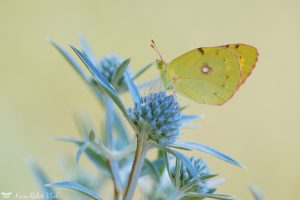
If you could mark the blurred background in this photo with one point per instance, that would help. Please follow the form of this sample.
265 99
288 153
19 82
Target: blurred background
39 91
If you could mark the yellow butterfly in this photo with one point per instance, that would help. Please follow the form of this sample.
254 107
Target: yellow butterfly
208 75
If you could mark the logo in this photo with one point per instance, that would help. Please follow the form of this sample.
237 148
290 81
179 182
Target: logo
6 195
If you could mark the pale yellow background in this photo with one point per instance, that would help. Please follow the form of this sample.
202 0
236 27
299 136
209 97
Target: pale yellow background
39 91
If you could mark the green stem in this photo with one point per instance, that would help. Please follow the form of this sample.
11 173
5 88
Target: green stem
140 154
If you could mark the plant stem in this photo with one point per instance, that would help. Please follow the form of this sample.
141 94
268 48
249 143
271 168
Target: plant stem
176 196
114 168
108 124
139 158
113 164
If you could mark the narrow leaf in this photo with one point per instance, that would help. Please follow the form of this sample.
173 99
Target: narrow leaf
120 71
108 127
186 118
160 164
183 159
212 196
109 139
77 68
115 172
206 149
76 187
255 193
121 130
86 48
165 155
210 176
42 180
81 149
132 88
67 139
103 83
184 107
141 71
101 79
215 183
191 184
99 160
70 59
177 171
153 169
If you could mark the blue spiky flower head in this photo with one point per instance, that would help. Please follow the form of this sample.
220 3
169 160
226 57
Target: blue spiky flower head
158 115
108 65
186 177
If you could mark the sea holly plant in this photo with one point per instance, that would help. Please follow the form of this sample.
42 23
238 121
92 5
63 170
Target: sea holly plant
129 131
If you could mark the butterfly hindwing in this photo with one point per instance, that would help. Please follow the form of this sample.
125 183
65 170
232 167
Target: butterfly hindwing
209 75
248 56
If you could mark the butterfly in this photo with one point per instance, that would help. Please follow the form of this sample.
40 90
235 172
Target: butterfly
208 75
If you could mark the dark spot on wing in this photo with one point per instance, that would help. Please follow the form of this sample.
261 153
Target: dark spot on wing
217 52
227 77
201 51
227 46
223 86
237 46
215 93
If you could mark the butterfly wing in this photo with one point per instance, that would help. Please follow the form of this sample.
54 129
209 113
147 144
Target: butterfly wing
248 56
209 75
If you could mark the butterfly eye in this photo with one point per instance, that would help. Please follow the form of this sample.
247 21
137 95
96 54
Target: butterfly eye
160 64
206 69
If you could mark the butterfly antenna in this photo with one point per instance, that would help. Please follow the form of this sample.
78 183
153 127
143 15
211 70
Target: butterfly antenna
153 45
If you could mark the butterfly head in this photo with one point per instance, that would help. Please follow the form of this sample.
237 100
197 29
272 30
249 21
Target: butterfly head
160 63
162 67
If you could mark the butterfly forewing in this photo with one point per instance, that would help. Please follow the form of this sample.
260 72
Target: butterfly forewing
209 75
